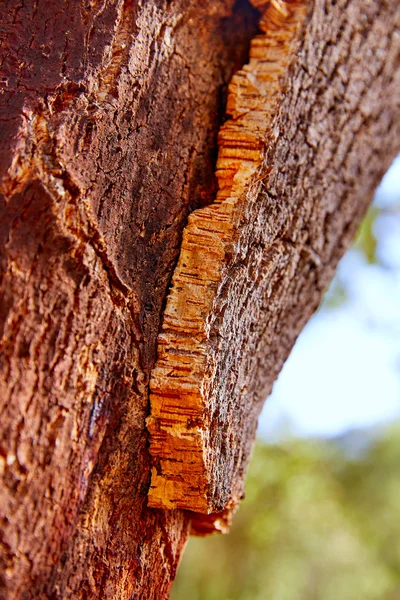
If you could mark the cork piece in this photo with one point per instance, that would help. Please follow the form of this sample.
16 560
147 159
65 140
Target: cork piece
199 445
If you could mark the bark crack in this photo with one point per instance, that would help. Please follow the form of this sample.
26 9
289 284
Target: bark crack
181 382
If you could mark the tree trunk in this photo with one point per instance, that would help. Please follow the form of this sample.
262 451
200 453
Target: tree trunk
109 120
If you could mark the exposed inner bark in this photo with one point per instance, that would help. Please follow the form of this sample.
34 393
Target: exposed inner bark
192 472
253 265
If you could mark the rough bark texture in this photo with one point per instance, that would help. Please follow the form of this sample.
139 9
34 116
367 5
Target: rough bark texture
109 119
254 264
198 427
110 112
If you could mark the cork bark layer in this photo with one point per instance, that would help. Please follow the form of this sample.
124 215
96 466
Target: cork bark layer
109 116
260 257
196 440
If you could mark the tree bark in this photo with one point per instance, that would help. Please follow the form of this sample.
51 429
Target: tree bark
296 166
109 120
202 424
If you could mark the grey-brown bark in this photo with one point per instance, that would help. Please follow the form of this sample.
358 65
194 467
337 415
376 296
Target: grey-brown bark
253 265
109 119
198 422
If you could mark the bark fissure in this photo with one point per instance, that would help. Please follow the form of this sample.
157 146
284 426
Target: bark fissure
229 321
182 405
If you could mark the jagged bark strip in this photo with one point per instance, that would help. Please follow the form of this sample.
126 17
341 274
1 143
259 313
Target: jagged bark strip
251 272
182 402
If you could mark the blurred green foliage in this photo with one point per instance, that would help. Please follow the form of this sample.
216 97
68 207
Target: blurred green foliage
335 296
315 525
366 240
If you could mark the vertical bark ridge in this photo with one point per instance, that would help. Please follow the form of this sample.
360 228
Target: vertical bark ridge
254 265
183 404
